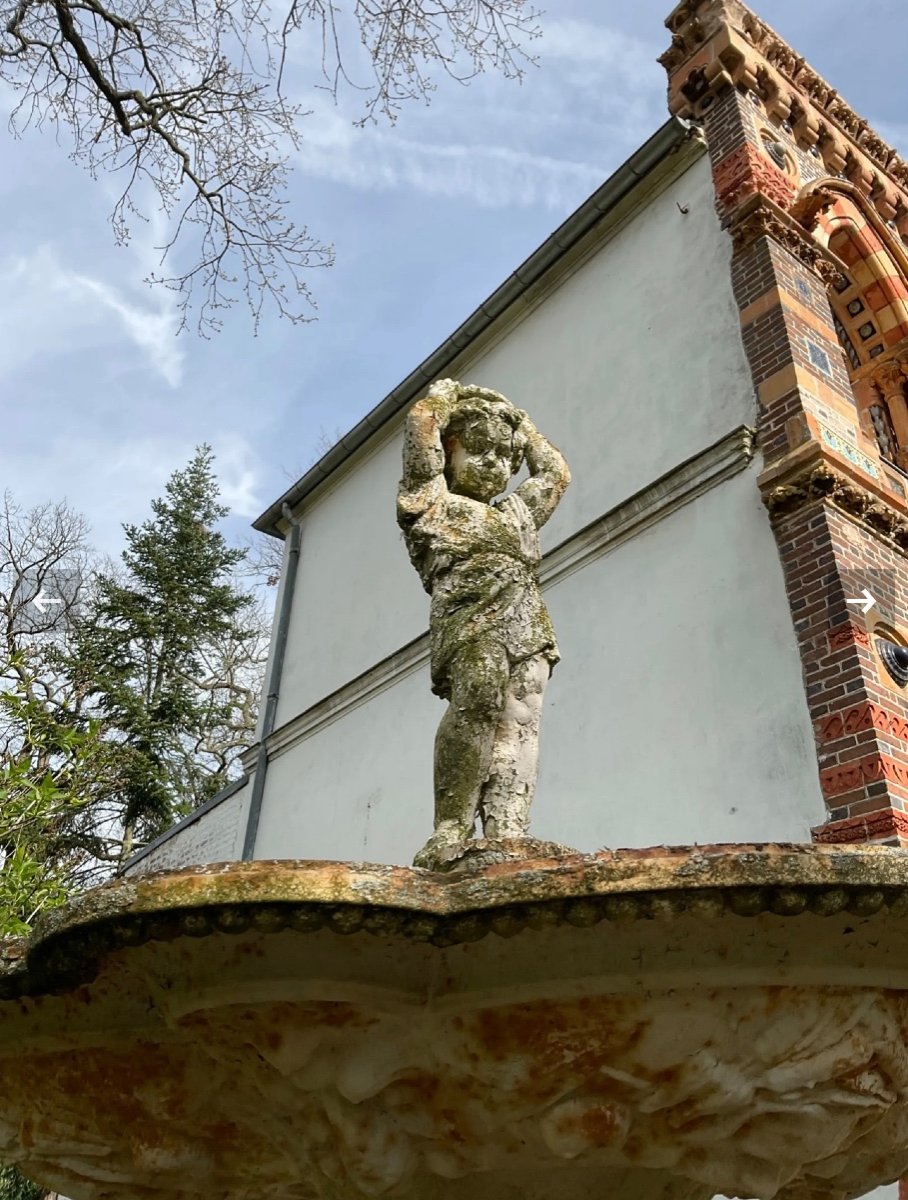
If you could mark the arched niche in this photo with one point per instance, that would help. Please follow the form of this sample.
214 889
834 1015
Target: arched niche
869 305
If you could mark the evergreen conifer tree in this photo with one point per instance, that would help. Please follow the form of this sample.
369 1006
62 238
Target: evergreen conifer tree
141 648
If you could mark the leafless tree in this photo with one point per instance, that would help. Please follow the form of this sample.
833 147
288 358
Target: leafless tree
230 679
45 558
183 100
264 561
40 549
45 551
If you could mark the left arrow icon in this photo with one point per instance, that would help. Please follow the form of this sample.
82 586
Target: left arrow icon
41 601
865 601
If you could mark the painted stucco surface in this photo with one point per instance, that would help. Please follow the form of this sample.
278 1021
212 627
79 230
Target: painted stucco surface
633 364
360 787
678 711
676 714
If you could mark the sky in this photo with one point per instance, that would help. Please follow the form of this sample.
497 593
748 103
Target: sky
103 401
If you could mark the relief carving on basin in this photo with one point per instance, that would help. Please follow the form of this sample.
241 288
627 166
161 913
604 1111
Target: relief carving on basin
664 1023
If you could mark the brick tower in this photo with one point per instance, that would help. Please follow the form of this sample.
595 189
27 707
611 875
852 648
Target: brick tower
816 209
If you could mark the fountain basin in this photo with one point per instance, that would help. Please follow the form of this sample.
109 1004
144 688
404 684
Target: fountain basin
669 1023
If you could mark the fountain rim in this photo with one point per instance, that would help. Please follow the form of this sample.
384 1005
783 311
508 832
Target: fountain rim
446 909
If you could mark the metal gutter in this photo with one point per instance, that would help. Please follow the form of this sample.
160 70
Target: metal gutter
664 142
273 687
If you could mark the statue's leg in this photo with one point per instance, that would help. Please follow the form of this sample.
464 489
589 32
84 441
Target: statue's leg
463 745
508 793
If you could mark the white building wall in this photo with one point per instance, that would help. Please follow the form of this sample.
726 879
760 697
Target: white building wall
631 366
677 714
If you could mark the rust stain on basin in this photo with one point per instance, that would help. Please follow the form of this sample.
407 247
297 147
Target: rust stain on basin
674 1022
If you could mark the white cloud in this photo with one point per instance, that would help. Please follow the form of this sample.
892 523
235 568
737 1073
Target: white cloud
490 176
51 306
237 470
589 76
153 332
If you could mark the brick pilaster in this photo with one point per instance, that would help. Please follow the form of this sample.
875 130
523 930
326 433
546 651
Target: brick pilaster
797 179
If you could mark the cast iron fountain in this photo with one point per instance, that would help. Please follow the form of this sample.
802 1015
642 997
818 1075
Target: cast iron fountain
668 1023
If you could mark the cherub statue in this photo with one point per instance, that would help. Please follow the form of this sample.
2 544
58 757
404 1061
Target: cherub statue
492 642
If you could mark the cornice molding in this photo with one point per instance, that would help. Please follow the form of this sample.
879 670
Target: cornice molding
678 487
721 43
685 483
760 217
817 481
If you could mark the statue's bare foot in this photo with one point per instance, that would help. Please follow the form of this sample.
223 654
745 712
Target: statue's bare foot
472 853
444 842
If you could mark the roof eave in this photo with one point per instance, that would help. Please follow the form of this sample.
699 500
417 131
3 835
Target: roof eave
663 142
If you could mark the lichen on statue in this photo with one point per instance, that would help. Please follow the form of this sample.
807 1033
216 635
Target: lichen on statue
492 642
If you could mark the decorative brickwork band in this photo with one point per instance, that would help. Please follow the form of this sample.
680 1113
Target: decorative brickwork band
847 635
747 171
862 716
848 777
888 824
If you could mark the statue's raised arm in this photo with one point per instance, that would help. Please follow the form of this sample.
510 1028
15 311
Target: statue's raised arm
424 456
549 473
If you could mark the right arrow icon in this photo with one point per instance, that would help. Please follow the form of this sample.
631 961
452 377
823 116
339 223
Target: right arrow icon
865 601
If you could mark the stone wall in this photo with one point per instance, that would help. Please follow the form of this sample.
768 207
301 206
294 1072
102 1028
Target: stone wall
214 833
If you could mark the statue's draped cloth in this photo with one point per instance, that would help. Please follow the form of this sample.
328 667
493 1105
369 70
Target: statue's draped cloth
478 562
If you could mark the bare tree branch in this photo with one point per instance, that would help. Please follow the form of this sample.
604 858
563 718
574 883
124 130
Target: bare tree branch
183 99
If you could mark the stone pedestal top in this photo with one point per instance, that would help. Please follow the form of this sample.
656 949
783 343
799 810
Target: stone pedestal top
671 1022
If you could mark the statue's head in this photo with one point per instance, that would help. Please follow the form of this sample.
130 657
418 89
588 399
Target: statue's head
483 445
